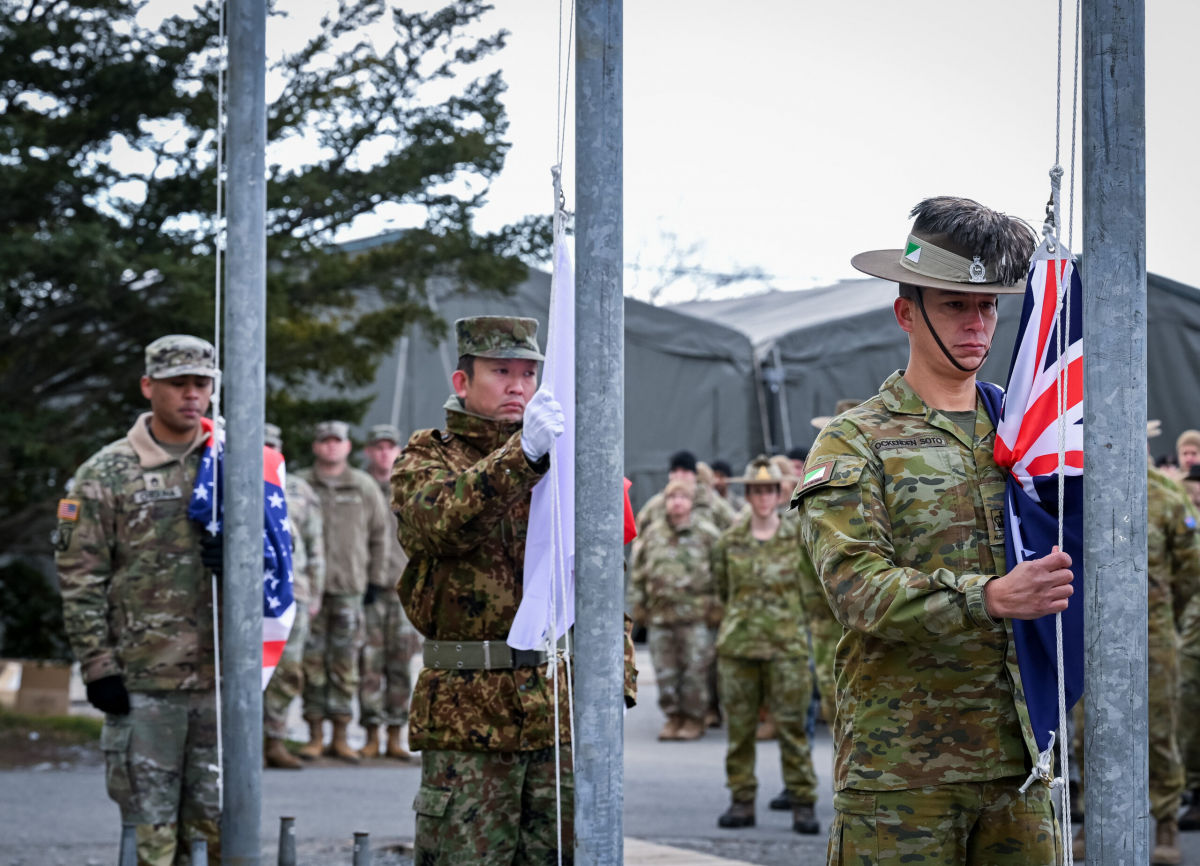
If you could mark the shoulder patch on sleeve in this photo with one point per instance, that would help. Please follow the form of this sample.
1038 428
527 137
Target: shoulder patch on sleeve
841 471
68 509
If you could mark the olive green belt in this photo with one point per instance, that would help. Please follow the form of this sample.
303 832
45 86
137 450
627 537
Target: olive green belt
480 655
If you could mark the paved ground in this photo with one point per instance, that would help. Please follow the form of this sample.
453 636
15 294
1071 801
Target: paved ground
673 794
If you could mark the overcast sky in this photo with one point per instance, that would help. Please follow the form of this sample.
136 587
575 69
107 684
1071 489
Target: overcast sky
787 135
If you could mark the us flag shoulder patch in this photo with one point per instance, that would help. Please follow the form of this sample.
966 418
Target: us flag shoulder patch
68 509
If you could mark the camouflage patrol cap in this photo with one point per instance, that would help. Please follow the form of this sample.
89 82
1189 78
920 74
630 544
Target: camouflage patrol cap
383 431
498 337
760 470
273 436
180 355
331 430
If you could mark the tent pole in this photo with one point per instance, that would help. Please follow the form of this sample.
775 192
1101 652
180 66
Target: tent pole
1114 338
245 341
599 454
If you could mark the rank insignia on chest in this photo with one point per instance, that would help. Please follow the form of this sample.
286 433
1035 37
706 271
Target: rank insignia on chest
68 509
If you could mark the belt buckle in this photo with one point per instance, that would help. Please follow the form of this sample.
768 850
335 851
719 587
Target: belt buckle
526 658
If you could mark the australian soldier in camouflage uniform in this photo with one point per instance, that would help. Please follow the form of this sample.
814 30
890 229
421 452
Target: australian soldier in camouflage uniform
762 646
308 587
390 641
901 511
355 520
482 713
671 591
137 603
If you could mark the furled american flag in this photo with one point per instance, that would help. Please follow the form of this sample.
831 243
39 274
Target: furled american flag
207 509
1042 416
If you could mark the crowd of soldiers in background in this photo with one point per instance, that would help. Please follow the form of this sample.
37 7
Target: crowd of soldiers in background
350 637
681 593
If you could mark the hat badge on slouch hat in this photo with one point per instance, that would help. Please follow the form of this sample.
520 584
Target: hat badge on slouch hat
760 470
958 245
180 355
498 337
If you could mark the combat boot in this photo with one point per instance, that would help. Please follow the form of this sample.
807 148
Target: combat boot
803 819
782 801
395 751
691 729
1190 819
670 728
276 755
338 747
1166 844
370 748
739 814
316 740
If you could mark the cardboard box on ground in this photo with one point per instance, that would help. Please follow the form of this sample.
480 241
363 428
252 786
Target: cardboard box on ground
35 688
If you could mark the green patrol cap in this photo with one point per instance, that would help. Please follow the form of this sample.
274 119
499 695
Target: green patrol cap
331 430
180 355
273 436
498 337
380 432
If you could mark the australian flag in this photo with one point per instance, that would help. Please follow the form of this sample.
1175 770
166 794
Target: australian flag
1044 400
206 508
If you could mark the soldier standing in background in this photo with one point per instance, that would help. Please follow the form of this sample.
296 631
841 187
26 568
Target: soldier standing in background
390 641
137 604
762 646
308 587
483 713
721 474
355 519
901 511
671 592
706 504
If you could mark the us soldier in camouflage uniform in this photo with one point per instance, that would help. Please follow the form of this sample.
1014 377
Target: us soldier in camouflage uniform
355 520
762 646
706 504
482 713
900 510
390 641
308 587
671 591
137 603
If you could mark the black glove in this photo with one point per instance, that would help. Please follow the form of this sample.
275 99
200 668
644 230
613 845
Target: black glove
212 552
371 594
108 695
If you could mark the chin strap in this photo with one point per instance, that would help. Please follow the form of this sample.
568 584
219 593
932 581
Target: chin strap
941 345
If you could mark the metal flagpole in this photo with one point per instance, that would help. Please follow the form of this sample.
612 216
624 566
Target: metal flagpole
1114 337
599 455
245 333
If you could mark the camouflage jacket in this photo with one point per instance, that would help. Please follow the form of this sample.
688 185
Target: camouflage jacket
461 496
902 514
308 539
137 601
768 595
706 505
1173 557
355 518
824 628
396 559
672 573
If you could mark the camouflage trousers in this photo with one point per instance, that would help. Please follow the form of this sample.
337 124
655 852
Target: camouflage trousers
389 644
1189 708
1165 757
287 681
783 686
985 823
493 809
681 653
160 768
331 657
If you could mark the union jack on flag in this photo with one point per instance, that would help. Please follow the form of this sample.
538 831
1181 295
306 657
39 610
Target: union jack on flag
1042 417
207 508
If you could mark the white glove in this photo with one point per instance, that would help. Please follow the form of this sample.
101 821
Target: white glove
544 422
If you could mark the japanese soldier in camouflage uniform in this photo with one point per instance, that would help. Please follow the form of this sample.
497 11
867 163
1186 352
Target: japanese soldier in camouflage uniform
671 591
355 520
900 509
308 587
390 642
762 646
137 603
482 713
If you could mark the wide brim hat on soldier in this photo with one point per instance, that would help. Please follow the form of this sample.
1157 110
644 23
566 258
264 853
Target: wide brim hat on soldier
958 245
498 337
761 470
842 406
